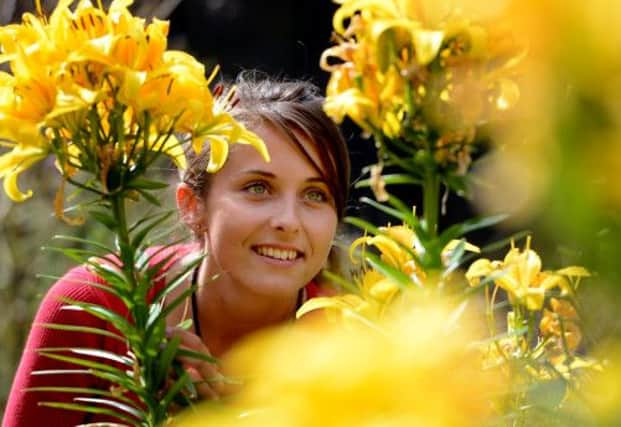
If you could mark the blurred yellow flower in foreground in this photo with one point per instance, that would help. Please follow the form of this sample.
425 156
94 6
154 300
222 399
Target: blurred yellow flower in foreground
418 371
97 88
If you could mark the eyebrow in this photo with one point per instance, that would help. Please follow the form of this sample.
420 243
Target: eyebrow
272 176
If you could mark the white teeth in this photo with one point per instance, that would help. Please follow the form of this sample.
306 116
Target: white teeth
282 254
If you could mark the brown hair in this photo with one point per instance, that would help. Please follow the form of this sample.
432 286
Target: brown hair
294 108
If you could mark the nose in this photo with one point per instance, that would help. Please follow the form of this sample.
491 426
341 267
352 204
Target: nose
286 216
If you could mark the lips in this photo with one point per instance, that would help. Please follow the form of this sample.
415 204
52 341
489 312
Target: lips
279 253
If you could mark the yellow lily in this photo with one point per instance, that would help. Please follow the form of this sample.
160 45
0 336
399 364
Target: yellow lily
224 130
15 162
89 60
392 245
521 275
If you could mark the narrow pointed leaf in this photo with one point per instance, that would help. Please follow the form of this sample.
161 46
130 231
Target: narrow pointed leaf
140 235
395 213
81 390
456 231
149 197
402 279
175 389
146 184
103 218
91 352
169 307
390 179
166 359
87 363
410 219
89 409
82 329
104 248
118 321
113 404
177 280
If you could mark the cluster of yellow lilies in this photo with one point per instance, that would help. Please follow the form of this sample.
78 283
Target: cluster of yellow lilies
87 63
534 295
399 248
401 68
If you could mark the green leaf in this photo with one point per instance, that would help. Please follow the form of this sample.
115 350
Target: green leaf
80 390
409 218
456 231
115 282
81 256
118 321
169 307
89 409
113 404
149 197
91 352
87 363
105 249
399 277
83 329
146 184
146 229
143 219
156 269
175 281
390 179
124 381
396 213
167 356
104 218
175 389
365 226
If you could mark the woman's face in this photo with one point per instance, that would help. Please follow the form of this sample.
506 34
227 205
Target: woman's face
269 226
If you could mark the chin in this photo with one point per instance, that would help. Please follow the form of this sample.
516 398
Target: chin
275 289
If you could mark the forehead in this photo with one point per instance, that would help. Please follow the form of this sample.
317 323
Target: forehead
286 157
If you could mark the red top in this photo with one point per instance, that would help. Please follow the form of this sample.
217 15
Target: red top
22 408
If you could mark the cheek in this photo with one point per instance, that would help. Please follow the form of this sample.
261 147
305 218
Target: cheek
322 233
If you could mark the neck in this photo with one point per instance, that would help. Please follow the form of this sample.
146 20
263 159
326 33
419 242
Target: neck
226 313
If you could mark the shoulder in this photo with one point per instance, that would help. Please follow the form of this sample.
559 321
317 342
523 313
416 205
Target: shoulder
78 284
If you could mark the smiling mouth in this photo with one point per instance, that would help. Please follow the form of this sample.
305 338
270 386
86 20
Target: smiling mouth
278 253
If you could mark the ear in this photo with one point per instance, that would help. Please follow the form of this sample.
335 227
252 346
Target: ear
190 207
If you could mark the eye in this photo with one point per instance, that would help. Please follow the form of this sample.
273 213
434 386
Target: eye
316 195
256 188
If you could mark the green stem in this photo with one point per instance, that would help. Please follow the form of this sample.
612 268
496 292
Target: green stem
431 200
138 311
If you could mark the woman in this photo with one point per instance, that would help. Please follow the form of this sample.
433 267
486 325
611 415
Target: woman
266 228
